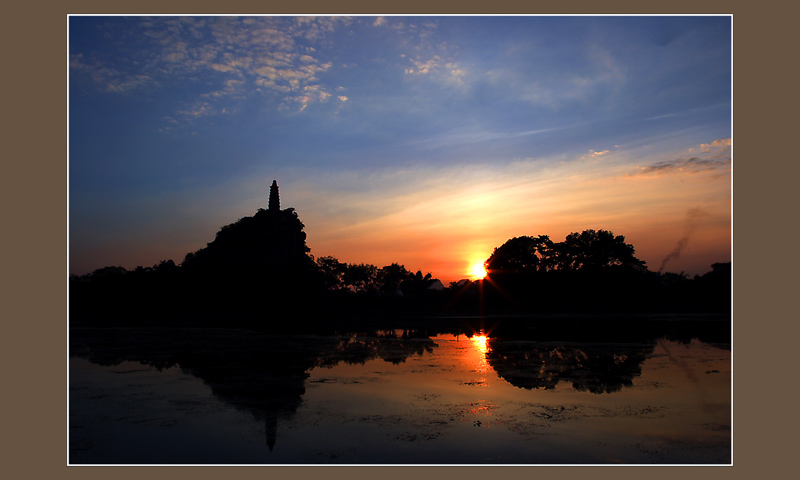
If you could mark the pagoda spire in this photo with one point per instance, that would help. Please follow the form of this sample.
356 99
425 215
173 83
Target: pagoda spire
274 197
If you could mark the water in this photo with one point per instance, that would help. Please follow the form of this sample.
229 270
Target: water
155 396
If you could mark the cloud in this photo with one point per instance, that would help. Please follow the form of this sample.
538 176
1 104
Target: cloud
318 28
223 68
607 69
424 68
684 165
592 76
428 59
231 88
720 146
271 56
713 156
437 69
106 78
125 84
475 134
271 59
455 70
276 64
200 109
688 112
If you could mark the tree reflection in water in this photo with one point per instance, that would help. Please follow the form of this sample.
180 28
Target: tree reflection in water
265 374
259 373
393 346
594 368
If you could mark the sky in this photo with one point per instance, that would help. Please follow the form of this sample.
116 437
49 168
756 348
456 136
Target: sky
426 141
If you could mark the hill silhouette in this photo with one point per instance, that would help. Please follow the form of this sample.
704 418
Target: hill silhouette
270 239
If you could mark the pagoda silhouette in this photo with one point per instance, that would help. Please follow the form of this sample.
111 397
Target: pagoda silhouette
274 197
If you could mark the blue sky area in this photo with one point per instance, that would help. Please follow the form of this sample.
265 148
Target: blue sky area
424 140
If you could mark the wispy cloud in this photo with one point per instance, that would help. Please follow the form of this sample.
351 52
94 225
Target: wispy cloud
594 153
199 109
476 134
107 78
710 156
426 57
606 69
594 76
684 113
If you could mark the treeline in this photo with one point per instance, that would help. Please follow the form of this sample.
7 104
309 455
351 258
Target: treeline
595 272
256 267
367 279
324 286
587 251
260 267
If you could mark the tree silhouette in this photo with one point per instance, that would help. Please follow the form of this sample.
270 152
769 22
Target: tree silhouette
522 254
594 250
332 271
588 250
417 284
267 239
391 277
591 270
361 277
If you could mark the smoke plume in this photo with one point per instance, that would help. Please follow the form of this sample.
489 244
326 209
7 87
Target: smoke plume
693 216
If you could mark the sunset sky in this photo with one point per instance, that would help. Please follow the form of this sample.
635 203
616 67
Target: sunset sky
426 141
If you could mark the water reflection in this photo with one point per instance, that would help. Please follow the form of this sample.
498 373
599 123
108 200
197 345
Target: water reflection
268 375
588 367
480 343
393 346
474 358
260 373
251 372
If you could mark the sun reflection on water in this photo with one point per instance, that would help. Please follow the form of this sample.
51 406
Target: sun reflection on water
477 354
479 341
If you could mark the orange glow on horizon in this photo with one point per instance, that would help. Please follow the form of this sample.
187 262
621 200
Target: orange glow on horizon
449 228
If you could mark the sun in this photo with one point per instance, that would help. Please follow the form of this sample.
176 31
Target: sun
478 271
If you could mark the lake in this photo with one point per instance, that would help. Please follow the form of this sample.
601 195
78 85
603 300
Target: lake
455 396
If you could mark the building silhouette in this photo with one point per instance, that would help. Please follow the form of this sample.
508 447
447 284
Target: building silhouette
274 197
